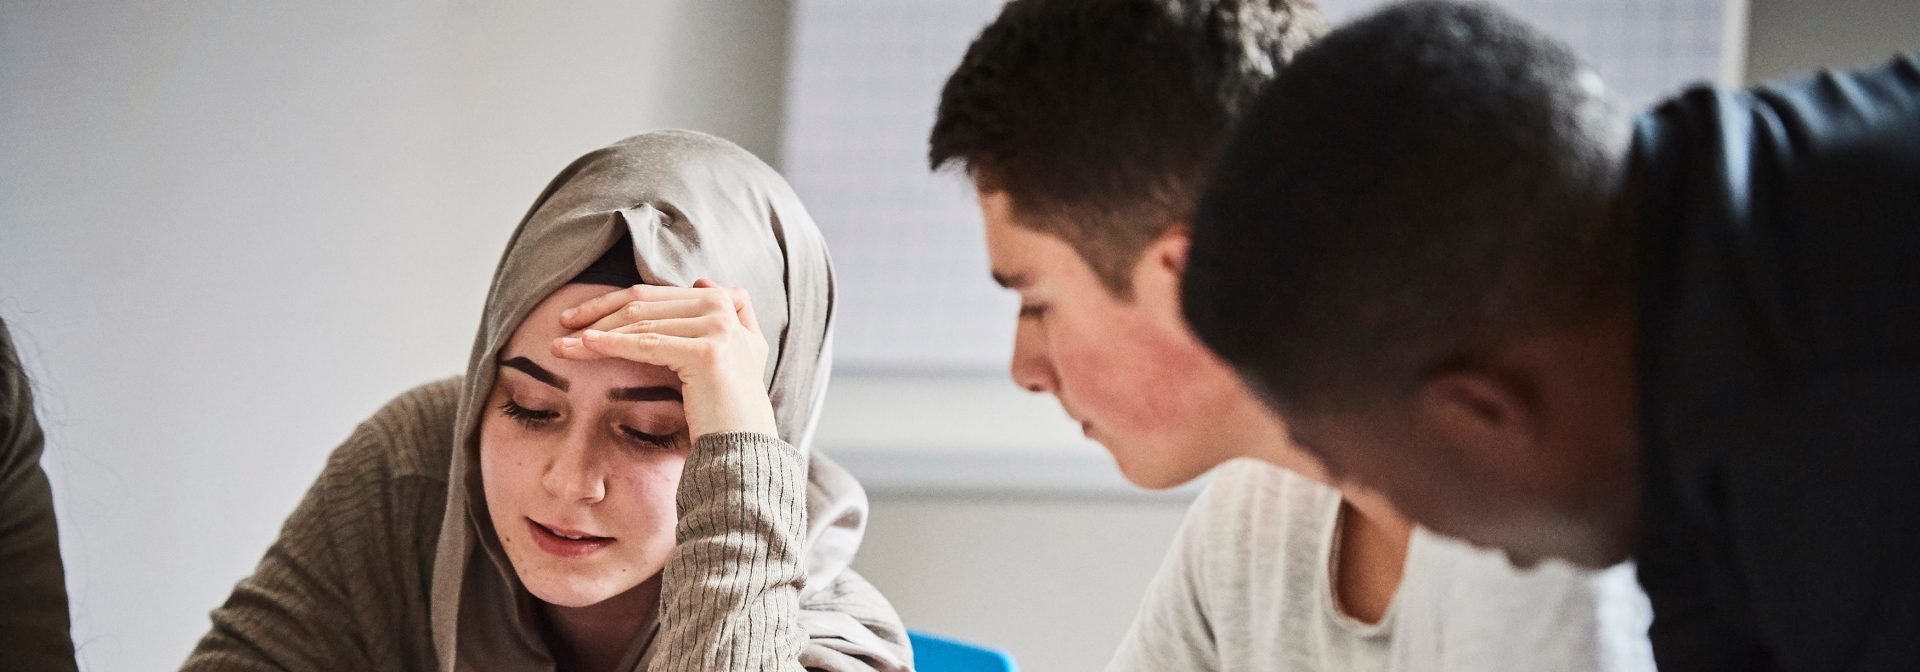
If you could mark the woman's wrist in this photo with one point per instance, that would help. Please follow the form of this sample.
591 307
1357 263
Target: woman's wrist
722 410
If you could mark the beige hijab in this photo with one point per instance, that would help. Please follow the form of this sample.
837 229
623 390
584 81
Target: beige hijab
695 207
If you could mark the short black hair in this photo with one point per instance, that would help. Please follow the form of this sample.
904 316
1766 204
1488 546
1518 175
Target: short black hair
1417 187
1100 118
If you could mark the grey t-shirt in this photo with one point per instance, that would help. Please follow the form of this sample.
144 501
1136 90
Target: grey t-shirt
1247 587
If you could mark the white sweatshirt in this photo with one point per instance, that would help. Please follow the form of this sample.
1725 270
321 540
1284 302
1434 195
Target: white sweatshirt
1247 587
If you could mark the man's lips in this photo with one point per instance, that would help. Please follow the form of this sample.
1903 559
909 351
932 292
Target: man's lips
1086 428
565 542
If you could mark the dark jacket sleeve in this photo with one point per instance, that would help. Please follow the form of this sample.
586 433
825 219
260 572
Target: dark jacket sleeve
33 590
1781 378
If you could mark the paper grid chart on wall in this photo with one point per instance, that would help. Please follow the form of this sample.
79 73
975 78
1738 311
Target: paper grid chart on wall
865 78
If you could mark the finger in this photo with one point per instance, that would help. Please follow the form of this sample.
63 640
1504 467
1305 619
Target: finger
684 327
641 311
590 311
673 352
742 303
572 347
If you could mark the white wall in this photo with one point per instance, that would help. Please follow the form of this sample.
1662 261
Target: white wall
1054 581
229 231
1794 37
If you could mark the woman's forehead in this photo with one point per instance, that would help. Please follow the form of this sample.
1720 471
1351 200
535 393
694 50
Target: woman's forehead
534 337
547 312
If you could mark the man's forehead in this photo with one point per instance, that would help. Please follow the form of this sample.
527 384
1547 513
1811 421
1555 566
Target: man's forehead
1006 249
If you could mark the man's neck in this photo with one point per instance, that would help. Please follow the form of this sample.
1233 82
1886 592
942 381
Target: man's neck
1591 390
594 638
1372 554
1371 558
1263 436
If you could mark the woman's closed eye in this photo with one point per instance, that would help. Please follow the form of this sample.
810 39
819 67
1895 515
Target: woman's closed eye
648 441
534 418
526 416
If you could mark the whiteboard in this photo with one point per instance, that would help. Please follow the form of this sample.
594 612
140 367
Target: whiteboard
863 82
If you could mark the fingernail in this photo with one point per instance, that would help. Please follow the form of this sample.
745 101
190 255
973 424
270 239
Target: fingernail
569 342
568 313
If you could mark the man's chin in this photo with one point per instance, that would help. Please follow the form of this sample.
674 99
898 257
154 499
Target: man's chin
1156 475
1569 548
1524 560
1521 560
1599 558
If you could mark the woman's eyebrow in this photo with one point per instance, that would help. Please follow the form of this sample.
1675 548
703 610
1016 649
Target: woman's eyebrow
647 393
643 394
527 366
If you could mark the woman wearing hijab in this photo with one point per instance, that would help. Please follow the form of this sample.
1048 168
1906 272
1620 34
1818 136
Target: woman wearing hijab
621 481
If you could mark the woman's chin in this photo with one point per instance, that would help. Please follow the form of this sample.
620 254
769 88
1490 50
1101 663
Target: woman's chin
572 589
582 582
567 594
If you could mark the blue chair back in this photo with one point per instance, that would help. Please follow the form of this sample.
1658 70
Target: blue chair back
933 653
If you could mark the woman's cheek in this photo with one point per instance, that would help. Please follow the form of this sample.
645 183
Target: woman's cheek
653 490
507 474
494 487
496 456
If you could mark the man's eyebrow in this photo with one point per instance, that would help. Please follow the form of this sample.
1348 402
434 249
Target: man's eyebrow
527 366
643 394
1010 280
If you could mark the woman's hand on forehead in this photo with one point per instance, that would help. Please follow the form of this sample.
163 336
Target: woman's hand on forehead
705 334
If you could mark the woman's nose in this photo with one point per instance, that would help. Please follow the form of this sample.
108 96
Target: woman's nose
574 472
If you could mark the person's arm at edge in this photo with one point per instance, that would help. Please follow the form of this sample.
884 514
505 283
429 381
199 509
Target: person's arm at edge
34 622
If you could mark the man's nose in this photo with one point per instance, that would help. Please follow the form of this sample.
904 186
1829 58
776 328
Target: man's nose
1031 366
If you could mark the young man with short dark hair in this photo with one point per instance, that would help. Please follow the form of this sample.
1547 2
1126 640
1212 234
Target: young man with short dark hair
1088 127
1692 340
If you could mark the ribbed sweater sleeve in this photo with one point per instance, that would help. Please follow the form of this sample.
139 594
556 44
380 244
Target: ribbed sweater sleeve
334 591
290 614
731 596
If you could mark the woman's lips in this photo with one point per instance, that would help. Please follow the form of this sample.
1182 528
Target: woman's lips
564 542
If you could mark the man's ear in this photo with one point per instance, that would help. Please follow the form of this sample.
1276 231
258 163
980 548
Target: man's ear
1158 272
1489 419
1170 249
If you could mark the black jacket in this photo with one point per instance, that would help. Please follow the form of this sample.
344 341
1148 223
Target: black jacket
1780 374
